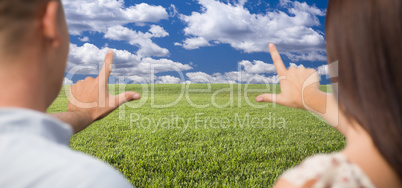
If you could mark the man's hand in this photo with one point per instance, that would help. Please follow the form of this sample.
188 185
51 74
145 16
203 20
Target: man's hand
90 100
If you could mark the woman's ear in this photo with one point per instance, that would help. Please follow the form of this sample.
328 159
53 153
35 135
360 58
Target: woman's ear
49 23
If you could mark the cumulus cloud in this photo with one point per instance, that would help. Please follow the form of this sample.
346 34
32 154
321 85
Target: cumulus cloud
168 80
195 43
98 15
311 56
296 7
147 48
296 66
85 59
202 77
244 77
158 31
236 26
257 67
67 81
109 16
251 72
173 11
323 70
84 39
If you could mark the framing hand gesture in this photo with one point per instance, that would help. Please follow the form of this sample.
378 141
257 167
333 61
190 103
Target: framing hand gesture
298 85
91 96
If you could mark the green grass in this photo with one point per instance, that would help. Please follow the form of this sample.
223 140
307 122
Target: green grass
196 152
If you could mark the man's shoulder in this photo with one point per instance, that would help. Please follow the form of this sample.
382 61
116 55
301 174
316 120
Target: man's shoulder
36 160
88 171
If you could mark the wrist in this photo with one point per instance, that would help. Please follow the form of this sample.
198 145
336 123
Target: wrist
83 116
314 99
87 116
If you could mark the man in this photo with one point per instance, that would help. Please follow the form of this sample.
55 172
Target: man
34 152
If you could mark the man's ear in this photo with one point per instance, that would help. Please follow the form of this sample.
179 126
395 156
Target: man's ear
49 23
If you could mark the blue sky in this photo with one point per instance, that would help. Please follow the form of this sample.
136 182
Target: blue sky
194 41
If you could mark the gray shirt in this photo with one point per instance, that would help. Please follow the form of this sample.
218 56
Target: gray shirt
34 152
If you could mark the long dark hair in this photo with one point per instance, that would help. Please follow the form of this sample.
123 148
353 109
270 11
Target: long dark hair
365 38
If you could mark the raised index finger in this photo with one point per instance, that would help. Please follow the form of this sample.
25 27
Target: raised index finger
280 67
107 67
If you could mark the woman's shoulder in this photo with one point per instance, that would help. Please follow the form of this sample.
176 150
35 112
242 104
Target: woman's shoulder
327 170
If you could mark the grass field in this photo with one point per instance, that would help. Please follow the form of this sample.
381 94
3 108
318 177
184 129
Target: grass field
212 137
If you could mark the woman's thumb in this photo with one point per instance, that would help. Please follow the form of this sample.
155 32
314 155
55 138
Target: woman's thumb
268 98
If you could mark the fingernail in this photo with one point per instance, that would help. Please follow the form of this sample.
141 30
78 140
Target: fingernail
136 96
110 51
260 99
271 45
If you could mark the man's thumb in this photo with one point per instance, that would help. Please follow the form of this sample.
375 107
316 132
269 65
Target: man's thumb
127 96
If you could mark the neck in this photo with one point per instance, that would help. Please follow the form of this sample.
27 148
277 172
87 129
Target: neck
361 150
22 86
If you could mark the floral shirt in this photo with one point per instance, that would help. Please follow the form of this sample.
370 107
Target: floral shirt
329 170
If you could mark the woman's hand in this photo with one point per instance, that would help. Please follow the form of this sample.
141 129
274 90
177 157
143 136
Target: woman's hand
299 86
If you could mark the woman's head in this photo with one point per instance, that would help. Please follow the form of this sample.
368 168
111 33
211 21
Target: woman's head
34 35
365 38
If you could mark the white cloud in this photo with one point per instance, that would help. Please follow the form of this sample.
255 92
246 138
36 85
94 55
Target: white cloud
139 79
84 39
161 65
202 77
147 48
235 25
242 2
85 59
109 16
168 80
173 11
98 15
296 7
195 43
311 56
245 77
158 31
296 66
67 81
323 70
257 67
254 73
284 2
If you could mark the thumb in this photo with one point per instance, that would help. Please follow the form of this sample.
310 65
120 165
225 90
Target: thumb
126 97
269 98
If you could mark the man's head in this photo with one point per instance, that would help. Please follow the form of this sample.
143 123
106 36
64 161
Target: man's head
34 43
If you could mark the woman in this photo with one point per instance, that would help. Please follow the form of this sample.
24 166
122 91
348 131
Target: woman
364 48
